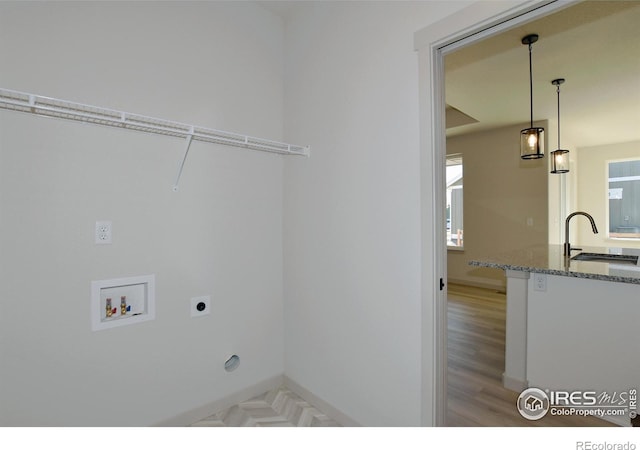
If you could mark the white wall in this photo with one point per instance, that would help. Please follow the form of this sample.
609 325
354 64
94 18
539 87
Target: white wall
352 211
505 202
562 187
212 64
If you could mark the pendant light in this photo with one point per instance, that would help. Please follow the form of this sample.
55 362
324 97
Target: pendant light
559 157
531 139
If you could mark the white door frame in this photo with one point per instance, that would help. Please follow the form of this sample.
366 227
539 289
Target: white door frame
472 24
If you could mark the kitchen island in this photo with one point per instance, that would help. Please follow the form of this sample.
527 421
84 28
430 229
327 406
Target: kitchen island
571 324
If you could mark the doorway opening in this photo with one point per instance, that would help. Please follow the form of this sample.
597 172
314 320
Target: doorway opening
434 43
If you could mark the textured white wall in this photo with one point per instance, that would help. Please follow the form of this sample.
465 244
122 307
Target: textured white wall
352 211
212 64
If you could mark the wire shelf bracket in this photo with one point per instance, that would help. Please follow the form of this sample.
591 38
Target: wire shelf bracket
64 109
184 159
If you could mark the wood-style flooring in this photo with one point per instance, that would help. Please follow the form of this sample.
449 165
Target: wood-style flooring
476 342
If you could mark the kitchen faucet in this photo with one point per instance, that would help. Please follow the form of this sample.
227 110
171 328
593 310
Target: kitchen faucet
567 246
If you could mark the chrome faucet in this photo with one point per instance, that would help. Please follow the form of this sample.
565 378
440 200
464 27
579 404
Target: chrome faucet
567 246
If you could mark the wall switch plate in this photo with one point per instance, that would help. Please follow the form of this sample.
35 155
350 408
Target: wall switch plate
539 282
103 232
200 306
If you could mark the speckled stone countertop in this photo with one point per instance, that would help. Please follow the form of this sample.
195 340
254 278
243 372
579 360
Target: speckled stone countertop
550 260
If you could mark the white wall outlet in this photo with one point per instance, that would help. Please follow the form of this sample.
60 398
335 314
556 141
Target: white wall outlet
200 306
539 282
103 232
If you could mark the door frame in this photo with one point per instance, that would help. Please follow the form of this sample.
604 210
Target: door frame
468 26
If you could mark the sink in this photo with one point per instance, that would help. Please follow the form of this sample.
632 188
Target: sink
607 257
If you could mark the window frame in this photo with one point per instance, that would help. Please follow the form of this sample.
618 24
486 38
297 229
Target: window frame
608 200
450 161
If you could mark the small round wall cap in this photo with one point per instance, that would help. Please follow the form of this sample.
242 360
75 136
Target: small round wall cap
232 363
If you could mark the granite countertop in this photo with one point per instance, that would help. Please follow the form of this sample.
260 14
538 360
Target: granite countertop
550 260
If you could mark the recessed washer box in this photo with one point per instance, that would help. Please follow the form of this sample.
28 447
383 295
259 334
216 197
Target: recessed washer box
139 293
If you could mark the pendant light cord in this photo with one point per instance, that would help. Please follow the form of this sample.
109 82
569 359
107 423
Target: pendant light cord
530 85
558 91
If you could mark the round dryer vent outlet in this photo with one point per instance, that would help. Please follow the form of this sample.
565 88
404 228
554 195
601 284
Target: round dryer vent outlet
232 363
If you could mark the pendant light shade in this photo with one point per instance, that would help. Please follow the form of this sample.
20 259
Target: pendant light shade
532 138
532 143
559 157
560 162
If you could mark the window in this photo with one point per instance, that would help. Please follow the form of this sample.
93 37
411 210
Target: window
624 199
454 214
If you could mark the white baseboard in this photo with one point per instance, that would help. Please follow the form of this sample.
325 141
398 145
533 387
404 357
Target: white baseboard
498 286
319 403
621 421
189 417
514 384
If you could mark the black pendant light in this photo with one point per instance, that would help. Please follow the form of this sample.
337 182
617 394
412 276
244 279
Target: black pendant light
531 139
559 157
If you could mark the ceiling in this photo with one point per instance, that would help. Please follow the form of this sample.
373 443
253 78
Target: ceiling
594 45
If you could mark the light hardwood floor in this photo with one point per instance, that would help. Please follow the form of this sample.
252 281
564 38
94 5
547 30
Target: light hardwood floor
476 334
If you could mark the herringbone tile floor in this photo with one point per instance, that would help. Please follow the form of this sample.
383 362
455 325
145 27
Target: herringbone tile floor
277 408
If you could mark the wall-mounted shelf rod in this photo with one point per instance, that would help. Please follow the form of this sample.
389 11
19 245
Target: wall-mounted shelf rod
63 109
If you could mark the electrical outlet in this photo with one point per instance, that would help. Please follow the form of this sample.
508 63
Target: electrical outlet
539 282
103 232
200 306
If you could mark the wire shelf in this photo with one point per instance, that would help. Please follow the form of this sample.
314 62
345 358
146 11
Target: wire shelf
63 109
